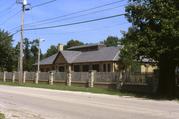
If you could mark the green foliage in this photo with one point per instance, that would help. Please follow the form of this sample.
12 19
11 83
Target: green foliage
6 51
111 41
28 61
54 49
154 35
34 49
72 43
51 51
155 29
30 54
136 67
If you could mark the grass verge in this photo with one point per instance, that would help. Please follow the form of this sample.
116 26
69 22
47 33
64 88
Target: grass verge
97 90
2 116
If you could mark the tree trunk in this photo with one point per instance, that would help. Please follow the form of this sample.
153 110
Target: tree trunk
167 83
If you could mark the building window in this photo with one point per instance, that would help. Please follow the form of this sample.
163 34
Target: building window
85 68
104 67
77 68
109 67
96 67
61 68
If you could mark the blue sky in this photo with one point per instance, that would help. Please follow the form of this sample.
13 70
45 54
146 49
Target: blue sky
88 33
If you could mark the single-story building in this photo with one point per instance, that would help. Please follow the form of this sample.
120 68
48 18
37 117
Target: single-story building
83 59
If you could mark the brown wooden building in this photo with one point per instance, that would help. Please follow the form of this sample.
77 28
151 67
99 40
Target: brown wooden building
83 58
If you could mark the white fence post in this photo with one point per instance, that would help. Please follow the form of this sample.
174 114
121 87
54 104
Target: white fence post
51 77
24 78
91 79
4 76
69 77
36 77
120 81
13 76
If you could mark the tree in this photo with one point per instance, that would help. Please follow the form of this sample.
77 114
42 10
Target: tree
6 51
28 58
51 51
72 43
155 35
111 41
34 49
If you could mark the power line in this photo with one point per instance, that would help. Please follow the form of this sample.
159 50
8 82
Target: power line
9 18
73 13
8 8
38 5
86 30
14 33
42 4
93 8
75 23
89 30
94 12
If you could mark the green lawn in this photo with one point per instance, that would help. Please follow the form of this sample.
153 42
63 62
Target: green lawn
69 88
2 116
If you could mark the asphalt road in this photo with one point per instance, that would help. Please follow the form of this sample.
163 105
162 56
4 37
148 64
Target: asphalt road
33 103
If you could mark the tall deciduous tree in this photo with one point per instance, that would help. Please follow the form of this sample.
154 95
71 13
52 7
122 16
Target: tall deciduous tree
51 51
111 41
28 58
6 51
155 35
34 49
72 43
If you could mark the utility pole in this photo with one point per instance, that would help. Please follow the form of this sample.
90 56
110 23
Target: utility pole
23 3
38 62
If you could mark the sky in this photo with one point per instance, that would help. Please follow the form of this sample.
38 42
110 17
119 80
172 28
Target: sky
93 32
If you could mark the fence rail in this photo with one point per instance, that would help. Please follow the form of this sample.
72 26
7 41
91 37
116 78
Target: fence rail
60 76
85 77
106 77
139 78
130 81
80 76
44 76
30 76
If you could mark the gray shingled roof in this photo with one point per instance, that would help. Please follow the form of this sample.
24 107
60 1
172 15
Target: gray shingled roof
48 60
103 54
70 56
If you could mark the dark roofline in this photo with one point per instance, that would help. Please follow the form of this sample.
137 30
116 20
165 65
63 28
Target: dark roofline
83 46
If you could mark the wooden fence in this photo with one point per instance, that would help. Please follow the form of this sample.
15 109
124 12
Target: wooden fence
129 82
84 77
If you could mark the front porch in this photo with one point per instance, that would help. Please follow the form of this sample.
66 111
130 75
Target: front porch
82 67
